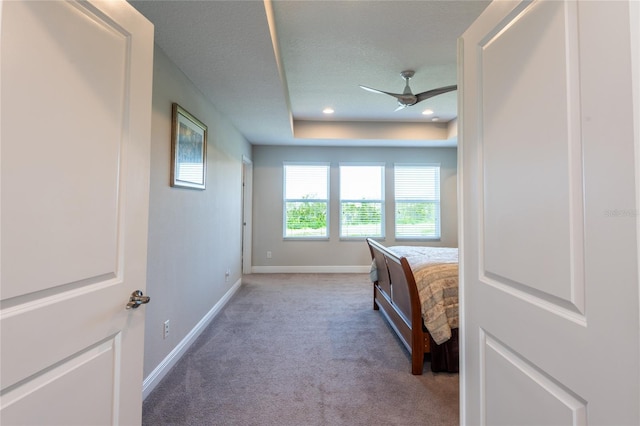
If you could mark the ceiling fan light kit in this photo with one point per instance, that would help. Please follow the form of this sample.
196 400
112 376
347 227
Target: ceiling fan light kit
407 98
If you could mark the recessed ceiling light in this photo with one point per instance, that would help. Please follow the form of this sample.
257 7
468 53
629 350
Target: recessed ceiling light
435 119
328 110
427 112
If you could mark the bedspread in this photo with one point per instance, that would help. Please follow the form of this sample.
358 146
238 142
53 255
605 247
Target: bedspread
435 270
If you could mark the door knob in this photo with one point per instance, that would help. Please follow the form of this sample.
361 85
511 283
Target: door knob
137 299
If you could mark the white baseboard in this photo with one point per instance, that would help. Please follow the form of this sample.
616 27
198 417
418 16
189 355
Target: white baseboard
154 378
353 269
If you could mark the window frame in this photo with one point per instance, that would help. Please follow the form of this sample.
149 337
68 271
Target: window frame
381 201
286 200
437 201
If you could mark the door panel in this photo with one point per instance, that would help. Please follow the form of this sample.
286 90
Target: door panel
94 365
85 167
548 402
76 108
549 269
540 69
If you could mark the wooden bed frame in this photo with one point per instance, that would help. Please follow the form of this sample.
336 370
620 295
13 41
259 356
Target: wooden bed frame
395 294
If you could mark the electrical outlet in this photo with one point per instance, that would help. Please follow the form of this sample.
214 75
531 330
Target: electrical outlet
268 255
166 329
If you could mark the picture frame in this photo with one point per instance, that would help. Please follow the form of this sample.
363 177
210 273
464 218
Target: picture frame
188 150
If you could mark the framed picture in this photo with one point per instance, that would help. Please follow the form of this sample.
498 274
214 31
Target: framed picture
188 150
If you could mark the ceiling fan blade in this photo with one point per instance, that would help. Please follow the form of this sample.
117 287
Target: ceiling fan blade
435 92
403 98
395 95
400 106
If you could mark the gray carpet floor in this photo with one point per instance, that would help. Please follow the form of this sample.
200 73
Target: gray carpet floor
301 350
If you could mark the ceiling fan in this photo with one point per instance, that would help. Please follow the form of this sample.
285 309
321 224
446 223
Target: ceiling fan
407 98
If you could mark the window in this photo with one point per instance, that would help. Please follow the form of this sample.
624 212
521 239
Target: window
417 201
306 202
361 200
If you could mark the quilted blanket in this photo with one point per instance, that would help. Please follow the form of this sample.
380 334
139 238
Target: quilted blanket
435 270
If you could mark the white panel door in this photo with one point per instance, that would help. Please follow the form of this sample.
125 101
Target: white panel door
247 210
75 114
549 259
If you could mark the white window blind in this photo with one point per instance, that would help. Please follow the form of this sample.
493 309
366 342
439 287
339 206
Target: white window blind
306 202
361 200
417 201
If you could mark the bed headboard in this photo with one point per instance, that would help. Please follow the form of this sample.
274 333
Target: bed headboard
396 280
378 256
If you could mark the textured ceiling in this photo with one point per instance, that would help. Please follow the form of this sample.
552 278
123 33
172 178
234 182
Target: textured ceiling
271 67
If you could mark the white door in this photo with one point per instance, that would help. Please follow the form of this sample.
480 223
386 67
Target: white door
247 210
549 252
75 115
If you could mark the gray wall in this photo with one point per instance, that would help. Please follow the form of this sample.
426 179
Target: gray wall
194 236
334 255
